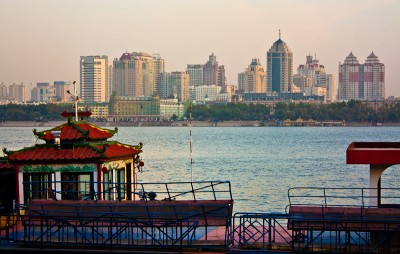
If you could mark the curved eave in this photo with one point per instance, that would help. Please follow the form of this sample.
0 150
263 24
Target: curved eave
52 154
116 150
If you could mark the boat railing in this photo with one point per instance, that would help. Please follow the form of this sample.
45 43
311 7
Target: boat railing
90 190
265 232
344 197
201 190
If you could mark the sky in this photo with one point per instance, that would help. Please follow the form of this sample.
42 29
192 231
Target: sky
42 40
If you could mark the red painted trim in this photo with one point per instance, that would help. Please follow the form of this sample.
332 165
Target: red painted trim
377 153
99 183
17 200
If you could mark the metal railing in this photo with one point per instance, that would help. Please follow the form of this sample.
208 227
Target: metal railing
348 197
84 190
183 217
259 232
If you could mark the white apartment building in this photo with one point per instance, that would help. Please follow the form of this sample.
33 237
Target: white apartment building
170 107
3 91
204 93
17 92
94 79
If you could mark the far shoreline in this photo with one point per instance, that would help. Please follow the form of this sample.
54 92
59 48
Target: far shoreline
177 124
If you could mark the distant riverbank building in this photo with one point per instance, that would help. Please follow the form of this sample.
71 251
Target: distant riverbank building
94 79
361 81
137 74
279 67
254 78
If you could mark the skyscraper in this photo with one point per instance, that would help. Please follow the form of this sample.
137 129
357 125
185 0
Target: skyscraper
159 67
361 81
210 71
195 72
214 74
313 75
94 78
373 78
254 78
349 79
279 67
135 74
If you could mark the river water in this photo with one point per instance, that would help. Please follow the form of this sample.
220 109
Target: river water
261 163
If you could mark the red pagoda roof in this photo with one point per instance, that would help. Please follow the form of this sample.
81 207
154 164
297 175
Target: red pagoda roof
4 165
73 130
105 151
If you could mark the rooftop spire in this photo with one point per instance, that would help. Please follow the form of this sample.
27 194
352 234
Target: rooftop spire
279 34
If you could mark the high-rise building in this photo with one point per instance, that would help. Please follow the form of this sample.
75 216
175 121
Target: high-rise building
174 85
214 74
279 67
94 79
17 92
361 81
373 78
3 92
124 76
195 72
159 67
61 88
145 66
210 71
135 74
254 78
313 75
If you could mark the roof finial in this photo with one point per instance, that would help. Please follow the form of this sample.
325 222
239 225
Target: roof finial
279 34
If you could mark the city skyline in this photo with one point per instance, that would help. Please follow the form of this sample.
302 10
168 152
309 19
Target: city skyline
43 40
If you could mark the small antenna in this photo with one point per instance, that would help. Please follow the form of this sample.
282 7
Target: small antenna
75 99
279 34
190 134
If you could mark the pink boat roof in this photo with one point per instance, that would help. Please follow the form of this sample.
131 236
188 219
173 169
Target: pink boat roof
384 153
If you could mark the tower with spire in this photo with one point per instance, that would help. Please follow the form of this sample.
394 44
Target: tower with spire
279 67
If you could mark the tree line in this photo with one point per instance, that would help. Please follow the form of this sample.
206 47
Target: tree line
41 112
351 111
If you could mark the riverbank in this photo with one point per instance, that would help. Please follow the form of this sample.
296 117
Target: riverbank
177 124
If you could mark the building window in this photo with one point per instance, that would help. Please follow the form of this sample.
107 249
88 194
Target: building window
38 186
76 186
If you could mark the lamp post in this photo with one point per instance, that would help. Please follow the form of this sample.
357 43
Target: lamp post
75 98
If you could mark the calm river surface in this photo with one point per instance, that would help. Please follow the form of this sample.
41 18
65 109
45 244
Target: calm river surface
261 163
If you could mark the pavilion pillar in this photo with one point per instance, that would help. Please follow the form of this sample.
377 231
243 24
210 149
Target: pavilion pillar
375 173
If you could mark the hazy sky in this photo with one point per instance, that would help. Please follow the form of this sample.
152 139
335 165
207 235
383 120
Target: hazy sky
42 40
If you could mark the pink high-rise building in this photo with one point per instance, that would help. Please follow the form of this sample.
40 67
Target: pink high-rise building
361 81
374 78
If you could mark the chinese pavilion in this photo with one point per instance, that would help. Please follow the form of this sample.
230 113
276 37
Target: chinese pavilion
76 162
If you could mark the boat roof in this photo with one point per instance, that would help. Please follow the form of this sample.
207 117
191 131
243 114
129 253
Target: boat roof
108 150
378 153
74 131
